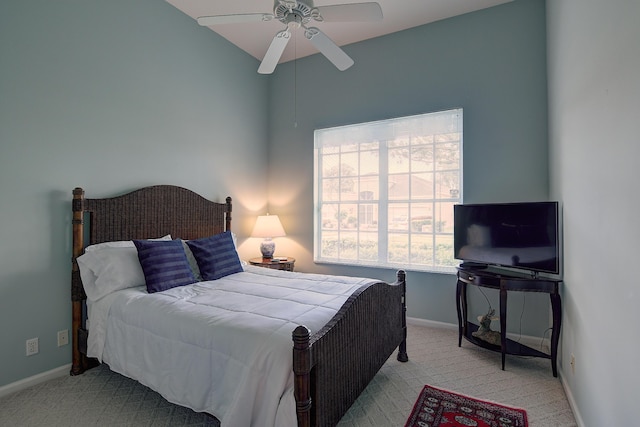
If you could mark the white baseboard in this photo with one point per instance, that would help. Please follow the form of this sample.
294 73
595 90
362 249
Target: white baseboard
570 398
36 379
424 322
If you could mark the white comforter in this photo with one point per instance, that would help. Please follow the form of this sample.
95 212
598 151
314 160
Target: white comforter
222 347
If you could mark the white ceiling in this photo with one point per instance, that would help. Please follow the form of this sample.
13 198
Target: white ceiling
254 38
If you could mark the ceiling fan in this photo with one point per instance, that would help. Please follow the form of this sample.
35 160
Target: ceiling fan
295 14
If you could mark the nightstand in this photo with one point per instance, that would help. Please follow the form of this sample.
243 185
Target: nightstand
276 263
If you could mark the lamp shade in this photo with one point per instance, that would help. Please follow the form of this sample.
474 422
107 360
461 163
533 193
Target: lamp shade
268 226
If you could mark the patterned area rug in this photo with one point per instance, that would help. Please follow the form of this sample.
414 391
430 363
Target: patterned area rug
437 407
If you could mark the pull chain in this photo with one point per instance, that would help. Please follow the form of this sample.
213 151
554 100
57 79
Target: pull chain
295 82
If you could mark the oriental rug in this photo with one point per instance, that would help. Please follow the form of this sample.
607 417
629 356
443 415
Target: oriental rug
437 407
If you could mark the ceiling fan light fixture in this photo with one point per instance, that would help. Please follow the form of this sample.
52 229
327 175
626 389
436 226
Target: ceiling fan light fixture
293 21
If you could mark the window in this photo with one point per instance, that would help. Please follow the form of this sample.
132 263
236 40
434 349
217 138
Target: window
384 192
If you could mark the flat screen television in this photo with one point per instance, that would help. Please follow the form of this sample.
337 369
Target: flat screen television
515 235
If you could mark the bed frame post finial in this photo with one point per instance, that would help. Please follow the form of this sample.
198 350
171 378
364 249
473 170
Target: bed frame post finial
302 374
228 215
402 348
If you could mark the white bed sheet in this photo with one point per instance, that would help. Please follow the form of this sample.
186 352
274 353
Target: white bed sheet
222 347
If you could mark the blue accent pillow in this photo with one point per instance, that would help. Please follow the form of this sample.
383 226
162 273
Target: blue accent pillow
216 255
164 264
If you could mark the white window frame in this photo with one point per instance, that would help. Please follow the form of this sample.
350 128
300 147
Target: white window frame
345 229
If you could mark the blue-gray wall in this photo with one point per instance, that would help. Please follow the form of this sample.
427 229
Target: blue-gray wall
492 63
108 95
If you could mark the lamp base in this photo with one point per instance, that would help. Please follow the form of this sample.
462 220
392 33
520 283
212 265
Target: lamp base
267 247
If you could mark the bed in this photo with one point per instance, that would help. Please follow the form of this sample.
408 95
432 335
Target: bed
330 363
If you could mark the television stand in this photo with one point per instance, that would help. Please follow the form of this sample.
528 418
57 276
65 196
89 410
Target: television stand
506 282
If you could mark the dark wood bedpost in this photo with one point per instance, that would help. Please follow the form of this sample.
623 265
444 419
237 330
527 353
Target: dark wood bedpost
77 292
302 374
402 349
228 215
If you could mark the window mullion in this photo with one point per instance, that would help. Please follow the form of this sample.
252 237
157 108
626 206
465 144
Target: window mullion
383 202
409 199
433 201
319 202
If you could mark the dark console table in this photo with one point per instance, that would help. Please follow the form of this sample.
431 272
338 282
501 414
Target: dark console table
506 282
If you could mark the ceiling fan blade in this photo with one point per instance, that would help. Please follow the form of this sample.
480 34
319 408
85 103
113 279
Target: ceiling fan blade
354 12
206 21
328 48
274 52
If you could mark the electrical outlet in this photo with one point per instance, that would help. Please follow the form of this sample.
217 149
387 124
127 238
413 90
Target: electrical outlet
32 346
63 337
573 364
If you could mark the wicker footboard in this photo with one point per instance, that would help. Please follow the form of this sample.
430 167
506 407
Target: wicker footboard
333 366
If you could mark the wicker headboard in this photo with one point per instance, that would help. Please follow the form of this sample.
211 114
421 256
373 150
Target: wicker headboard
149 212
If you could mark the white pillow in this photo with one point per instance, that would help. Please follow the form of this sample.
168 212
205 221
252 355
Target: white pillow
110 266
119 244
192 261
109 269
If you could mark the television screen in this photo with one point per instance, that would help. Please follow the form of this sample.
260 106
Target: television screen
518 235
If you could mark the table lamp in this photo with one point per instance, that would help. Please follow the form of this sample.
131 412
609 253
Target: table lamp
268 226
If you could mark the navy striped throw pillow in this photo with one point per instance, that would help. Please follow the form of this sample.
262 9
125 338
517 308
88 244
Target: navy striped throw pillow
216 256
164 264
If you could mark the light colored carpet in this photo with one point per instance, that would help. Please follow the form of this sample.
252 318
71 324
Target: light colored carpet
436 359
102 398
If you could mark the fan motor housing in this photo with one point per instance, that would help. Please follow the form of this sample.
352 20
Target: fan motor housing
284 8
